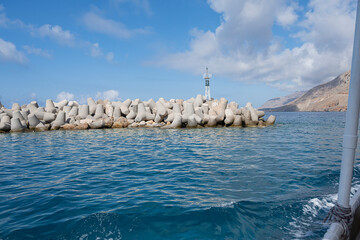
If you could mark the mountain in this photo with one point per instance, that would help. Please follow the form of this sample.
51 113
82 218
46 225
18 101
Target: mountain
329 97
281 101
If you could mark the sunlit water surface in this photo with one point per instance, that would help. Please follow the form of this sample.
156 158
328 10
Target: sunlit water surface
211 183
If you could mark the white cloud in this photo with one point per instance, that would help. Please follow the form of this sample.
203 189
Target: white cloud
330 24
245 48
95 51
37 51
97 23
9 53
110 57
6 22
65 96
55 32
287 16
111 95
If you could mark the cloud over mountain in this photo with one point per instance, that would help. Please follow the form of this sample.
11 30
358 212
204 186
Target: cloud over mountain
245 46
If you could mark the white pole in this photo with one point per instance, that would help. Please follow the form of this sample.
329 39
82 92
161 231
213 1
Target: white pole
336 230
352 121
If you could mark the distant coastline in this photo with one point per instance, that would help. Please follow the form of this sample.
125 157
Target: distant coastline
329 97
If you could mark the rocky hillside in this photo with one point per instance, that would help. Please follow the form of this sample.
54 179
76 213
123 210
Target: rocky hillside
282 101
329 97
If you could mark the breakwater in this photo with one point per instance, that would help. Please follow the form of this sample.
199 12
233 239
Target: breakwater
70 115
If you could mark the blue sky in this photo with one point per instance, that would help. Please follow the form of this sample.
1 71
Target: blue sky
119 49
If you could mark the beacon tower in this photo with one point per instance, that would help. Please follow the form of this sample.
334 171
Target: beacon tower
207 77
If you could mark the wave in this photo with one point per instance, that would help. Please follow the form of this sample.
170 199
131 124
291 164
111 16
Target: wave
229 220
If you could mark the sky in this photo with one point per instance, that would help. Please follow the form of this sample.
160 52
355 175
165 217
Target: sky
119 49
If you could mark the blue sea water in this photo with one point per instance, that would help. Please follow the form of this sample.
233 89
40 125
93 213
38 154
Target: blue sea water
210 183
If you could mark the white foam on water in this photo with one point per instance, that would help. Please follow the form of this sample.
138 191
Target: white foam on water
300 226
226 204
83 237
314 205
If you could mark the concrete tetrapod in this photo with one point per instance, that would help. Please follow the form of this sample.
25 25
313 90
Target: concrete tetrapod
32 108
109 110
16 125
49 106
237 120
5 124
212 121
49 117
17 114
83 111
142 114
117 113
73 112
33 121
6 119
99 112
61 104
229 117
40 112
161 112
124 108
133 111
9 112
16 106
151 104
253 114
168 114
205 108
92 105
191 122
25 113
60 120
176 123
271 120
165 103
188 111
220 109
198 101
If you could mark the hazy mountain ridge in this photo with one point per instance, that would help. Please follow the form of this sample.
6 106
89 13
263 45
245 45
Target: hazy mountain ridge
328 97
282 101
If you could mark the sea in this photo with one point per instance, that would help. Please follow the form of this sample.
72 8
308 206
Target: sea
277 182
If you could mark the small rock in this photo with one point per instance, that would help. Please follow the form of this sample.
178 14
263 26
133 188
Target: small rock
134 124
120 123
68 126
261 123
109 122
100 123
82 126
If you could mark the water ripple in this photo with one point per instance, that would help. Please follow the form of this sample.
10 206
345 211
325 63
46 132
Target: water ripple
209 183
